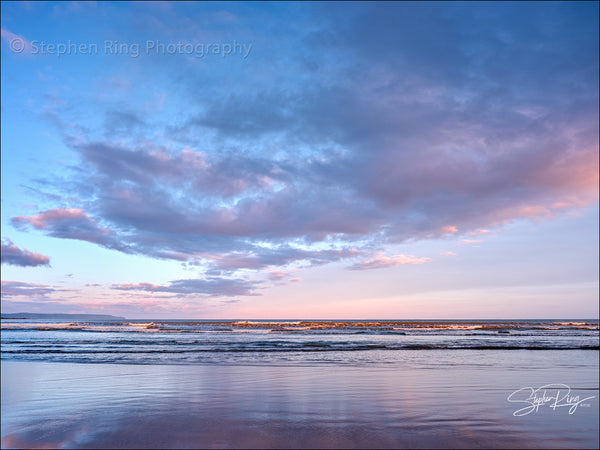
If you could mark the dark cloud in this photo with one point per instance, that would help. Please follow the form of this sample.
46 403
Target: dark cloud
11 254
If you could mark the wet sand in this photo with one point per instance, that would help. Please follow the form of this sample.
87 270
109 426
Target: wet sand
451 405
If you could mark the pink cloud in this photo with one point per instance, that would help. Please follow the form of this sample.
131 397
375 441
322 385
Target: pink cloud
11 254
449 229
383 262
277 275
70 223
282 277
471 241
479 232
46 219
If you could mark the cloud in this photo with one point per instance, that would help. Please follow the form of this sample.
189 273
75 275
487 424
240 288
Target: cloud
366 129
18 289
449 229
211 287
281 277
13 255
17 44
224 177
69 223
479 232
384 262
277 257
130 308
278 275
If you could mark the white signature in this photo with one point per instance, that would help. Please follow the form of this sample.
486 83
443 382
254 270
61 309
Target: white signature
554 395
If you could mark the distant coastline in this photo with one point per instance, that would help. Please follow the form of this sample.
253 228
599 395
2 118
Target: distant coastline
26 315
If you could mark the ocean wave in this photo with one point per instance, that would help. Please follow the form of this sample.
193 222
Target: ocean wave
307 325
307 347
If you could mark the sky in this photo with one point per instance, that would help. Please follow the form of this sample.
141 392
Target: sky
300 160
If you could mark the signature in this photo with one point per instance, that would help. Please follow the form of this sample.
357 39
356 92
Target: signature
556 395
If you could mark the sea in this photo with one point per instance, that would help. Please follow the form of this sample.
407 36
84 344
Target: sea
300 383
268 341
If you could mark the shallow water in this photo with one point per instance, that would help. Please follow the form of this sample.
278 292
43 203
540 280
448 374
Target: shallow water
385 399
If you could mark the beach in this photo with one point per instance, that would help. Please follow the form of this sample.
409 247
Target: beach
401 399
